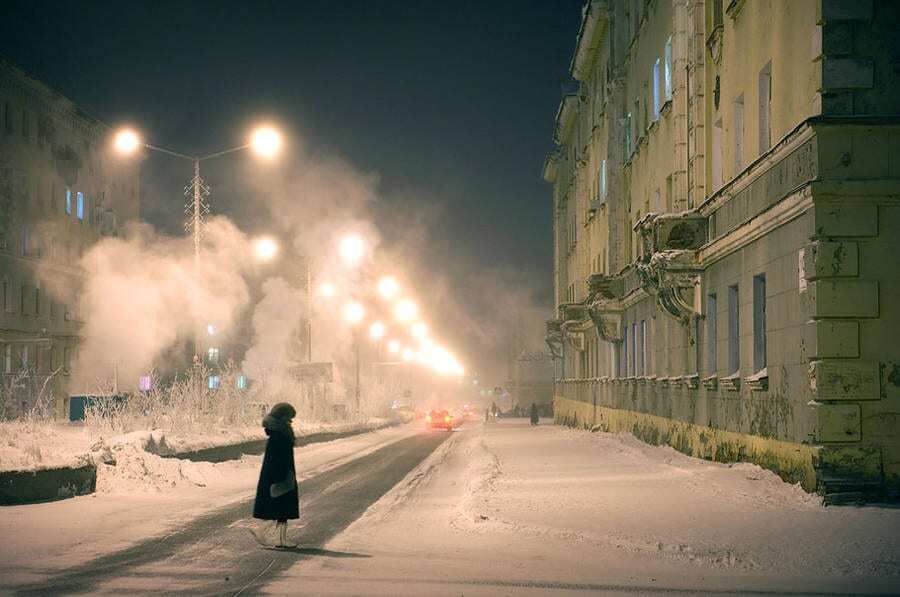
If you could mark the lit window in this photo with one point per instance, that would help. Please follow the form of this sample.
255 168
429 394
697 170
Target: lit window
69 201
667 72
213 382
79 208
144 383
602 176
657 103
213 355
242 382
211 329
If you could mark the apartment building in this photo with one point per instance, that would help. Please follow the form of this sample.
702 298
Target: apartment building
725 181
60 191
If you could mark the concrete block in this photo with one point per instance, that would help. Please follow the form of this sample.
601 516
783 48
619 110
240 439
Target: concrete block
827 259
838 423
846 10
831 339
847 73
843 298
845 380
871 154
846 220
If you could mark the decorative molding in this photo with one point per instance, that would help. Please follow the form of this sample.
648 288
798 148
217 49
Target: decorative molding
711 382
759 381
732 383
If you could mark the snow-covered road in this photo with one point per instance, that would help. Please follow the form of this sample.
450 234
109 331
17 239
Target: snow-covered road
146 498
507 508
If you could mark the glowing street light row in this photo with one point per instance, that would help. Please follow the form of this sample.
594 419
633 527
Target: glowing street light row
265 141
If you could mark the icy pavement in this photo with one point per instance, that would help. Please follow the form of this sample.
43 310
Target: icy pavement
146 497
508 508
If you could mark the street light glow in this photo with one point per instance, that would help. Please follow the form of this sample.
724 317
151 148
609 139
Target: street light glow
377 330
354 312
394 346
126 141
351 249
388 287
408 354
419 330
265 142
265 248
327 289
405 310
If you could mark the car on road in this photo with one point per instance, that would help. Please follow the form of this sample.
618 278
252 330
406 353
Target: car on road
440 419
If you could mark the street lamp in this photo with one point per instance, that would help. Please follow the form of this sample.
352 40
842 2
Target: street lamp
352 248
376 331
419 330
264 141
405 310
388 287
264 248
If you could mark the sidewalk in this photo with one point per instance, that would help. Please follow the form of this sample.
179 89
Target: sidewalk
509 508
144 497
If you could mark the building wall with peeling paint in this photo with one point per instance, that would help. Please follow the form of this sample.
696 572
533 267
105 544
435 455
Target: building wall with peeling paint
752 316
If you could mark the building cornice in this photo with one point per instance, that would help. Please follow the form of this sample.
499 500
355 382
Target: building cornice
590 34
565 118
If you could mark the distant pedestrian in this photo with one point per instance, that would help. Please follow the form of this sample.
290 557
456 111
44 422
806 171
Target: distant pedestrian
534 414
277 495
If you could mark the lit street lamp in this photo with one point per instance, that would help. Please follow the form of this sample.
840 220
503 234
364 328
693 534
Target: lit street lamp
265 142
265 248
352 248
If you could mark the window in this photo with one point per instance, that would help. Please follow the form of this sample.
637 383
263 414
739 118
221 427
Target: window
765 108
5 298
79 209
213 356
657 99
667 71
669 206
8 117
69 201
24 240
623 366
633 366
601 179
242 382
759 322
628 137
7 358
24 357
738 135
712 337
717 153
213 382
145 383
67 358
37 301
645 350
734 330
718 21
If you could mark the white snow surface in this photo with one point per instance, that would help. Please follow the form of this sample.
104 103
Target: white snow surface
146 496
506 508
29 446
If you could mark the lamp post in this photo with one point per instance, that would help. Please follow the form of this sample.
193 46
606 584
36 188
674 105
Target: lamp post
265 142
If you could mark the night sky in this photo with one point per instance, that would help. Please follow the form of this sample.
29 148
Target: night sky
451 103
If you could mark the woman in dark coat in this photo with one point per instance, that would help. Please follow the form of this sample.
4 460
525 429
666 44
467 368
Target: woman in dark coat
277 497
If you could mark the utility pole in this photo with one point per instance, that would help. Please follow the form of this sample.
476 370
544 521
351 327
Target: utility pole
196 208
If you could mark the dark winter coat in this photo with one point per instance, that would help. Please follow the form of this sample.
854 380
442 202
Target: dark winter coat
277 467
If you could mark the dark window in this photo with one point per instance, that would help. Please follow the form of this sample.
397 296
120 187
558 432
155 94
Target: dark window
734 330
759 322
711 334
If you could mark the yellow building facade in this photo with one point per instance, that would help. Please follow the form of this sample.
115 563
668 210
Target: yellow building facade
725 182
